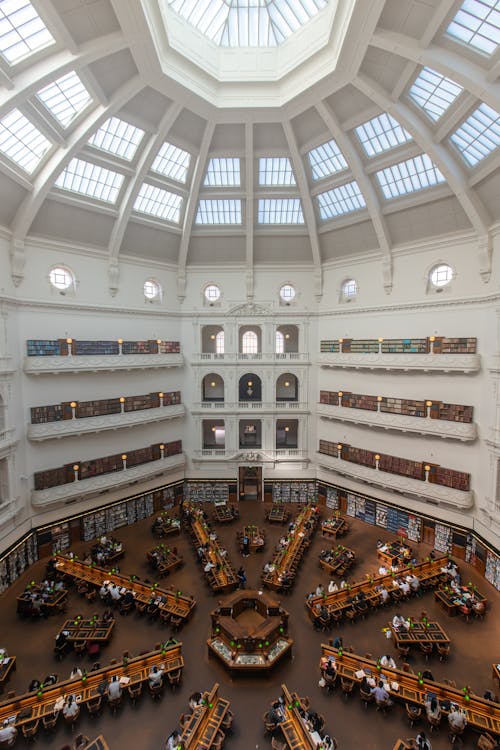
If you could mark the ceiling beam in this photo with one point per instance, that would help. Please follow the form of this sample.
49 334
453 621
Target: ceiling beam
249 209
366 187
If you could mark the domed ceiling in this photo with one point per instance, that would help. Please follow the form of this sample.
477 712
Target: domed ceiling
248 131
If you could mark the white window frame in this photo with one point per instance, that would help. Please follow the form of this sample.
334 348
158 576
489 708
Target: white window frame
62 289
155 286
211 301
249 343
220 342
349 290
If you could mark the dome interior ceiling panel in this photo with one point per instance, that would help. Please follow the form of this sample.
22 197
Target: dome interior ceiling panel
397 141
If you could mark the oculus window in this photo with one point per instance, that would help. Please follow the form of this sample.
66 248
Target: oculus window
212 294
441 275
61 278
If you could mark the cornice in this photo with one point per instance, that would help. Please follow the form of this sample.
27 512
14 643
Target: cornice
74 364
407 362
151 312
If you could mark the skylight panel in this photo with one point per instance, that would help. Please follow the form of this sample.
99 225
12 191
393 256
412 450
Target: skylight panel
219 212
247 23
326 160
477 24
89 179
65 98
158 202
380 134
276 171
22 31
223 172
434 93
172 162
479 135
117 137
21 141
280 211
341 200
409 176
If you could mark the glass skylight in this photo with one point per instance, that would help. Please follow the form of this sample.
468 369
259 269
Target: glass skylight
276 171
326 160
479 135
89 179
22 31
223 172
65 98
247 23
158 202
21 141
280 211
117 137
381 134
409 176
172 162
434 93
219 211
477 23
341 200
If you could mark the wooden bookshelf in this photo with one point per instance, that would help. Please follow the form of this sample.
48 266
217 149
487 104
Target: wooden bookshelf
101 407
438 345
405 406
83 348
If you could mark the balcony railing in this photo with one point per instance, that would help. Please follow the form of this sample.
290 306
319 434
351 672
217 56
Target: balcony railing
407 362
425 490
99 363
94 485
252 454
268 357
421 425
84 426
235 406
7 438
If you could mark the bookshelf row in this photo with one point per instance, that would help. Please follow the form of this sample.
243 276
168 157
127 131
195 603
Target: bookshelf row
208 492
100 407
67 347
431 344
294 492
435 474
104 465
404 406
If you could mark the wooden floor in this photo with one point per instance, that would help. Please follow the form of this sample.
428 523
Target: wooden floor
474 647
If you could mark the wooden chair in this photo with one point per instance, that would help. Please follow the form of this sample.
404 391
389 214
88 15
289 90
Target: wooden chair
126 607
454 734
269 726
277 744
155 691
347 686
443 651
366 696
135 691
434 722
115 703
413 712
227 721
94 706
426 649
403 651
383 706
405 667
184 719
351 615
71 720
174 678
218 740
30 729
79 647
49 721
330 681
91 594
486 742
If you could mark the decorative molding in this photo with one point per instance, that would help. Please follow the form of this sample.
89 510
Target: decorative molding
231 358
54 365
7 441
421 425
419 362
249 309
484 251
85 426
245 407
254 455
434 493
6 366
86 487
17 259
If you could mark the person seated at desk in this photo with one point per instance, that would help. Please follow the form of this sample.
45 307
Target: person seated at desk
433 709
114 688
34 685
490 696
71 709
421 742
388 661
382 571
195 700
81 742
108 615
319 590
155 676
8 733
314 722
382 548
332 587
114 592
414 582
50 679
208 566
399 622
457 720
76 672
343 584
330 669
404 587
128 597
380 693
275 715
173 742
3 654
269 567
384 594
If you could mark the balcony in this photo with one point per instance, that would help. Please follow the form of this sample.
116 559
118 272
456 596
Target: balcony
424 490
464 363
99 363
259 406
232 358
7 439
95 485
259 455
88 425
422 425
6 366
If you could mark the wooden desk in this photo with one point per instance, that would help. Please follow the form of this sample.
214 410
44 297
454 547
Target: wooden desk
451 602
256 537
54 604
482 715
137 669
98 744
341 560
166 559
278 513
7 666
419 632
400 745
335 526
225 513
428 572
288 558
99 631
295 732
201 729
222 577
178 605
397 553
164 525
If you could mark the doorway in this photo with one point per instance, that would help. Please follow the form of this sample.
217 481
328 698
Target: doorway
250 482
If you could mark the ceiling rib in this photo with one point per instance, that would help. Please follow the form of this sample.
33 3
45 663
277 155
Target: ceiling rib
250 209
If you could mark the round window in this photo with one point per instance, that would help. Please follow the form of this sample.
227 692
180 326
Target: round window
151 289
212 293
60 277
441 275
287 293
349 289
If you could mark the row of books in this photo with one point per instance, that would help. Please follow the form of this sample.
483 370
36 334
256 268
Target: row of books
103 465
61 347
100 407
404 406
439 345
457 480
294 492
210 492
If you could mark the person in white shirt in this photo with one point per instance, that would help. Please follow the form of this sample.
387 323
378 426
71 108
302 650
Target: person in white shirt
332 586
208 566
8 733
343 584
319 590
384 594
399 622
457 720
404 587
388 661
114 688
174 741
76 672
382 570
115 593
155 676
71 709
